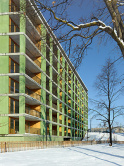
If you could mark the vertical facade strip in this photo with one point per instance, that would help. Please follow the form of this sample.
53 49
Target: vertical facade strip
58 91
63 96
43 84
4 67
67 99
50 87
74 107
22 68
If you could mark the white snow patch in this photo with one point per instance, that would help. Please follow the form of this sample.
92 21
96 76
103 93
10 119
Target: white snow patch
90 155
104 136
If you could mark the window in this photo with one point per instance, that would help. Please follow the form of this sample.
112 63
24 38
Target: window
13 7
11 123
11 106
16 87
14 67
14 126
13 47
14 106
12 86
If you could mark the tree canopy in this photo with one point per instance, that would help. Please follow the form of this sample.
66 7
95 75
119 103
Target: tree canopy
109 87
105 18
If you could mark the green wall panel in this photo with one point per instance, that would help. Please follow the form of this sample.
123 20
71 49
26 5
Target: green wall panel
43 84
4 6
22 68
50 87
4 109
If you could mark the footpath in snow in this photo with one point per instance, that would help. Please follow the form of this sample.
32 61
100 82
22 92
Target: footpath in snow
89 155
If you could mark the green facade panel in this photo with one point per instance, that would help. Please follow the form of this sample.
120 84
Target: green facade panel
4 6
43 84
4 120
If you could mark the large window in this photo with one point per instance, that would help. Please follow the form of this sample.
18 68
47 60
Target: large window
14 126
14 106
13 27
13 47
14 67
14 86
13 7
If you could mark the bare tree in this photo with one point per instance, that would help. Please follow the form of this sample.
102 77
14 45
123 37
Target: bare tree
105 18
109 87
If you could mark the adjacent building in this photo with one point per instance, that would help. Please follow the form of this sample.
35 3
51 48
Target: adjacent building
42 97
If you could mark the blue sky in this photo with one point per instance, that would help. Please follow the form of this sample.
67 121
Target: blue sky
91 67
96 55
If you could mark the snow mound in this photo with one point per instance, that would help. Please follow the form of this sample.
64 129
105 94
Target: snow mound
103 136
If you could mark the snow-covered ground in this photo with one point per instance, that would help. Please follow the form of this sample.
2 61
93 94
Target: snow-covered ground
89 155
104 136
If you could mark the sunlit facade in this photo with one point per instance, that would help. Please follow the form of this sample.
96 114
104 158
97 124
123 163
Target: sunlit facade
42 97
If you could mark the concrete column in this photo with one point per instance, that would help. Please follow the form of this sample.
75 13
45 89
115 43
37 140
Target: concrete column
81 112
58 91
67 100
74 106
77 109
50 88
63 94
43 84
4 67
22 69
71 103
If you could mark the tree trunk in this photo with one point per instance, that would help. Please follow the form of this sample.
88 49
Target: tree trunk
110 135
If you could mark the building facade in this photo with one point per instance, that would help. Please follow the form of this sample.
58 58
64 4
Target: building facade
42 97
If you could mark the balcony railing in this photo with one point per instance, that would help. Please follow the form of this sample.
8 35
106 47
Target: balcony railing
13 131
32 94
54 119
60 133
32 130
27 91
33 76
32 112
60 121
33 57
31 36
54 106
54 132
15 69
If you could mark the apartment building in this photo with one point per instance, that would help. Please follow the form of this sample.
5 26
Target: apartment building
42 97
